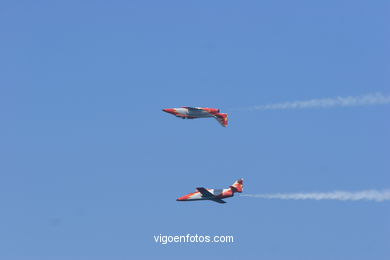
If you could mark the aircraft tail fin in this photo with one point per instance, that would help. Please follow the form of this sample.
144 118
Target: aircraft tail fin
222 119
238 186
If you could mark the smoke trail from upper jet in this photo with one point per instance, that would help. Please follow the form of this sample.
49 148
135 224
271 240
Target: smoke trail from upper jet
373 195
368 99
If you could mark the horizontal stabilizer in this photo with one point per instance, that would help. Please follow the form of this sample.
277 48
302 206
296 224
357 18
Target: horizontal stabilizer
222 119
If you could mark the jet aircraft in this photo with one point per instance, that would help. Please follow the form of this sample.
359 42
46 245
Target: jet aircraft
198 112
215 195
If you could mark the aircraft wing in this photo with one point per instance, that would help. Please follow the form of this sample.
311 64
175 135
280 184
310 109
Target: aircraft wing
205 193
194 108
219 200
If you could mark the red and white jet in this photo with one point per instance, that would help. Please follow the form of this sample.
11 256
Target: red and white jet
214 194
198 112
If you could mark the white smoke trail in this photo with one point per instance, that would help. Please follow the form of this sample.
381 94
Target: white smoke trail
368 99
373 195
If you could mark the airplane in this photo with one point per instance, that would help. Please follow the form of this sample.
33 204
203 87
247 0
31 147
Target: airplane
198 112
215 195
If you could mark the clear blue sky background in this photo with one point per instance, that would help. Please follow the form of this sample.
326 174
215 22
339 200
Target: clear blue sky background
91 167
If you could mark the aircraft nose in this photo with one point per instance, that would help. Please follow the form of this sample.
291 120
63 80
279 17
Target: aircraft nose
168 110
181 198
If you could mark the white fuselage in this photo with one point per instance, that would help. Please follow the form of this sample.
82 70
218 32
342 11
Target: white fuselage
215 192
193 113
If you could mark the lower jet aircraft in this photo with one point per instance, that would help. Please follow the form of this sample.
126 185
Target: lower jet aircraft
198 112
214 194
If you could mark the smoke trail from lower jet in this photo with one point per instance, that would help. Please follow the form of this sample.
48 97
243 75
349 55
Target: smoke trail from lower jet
368 99
373 195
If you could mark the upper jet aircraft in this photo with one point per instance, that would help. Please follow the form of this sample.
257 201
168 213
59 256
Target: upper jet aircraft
215 195
198 112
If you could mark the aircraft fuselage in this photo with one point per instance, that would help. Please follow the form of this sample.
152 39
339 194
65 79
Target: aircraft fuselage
218 193
185 112
198 112
215 195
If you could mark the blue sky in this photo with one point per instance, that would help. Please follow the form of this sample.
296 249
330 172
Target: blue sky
91 167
